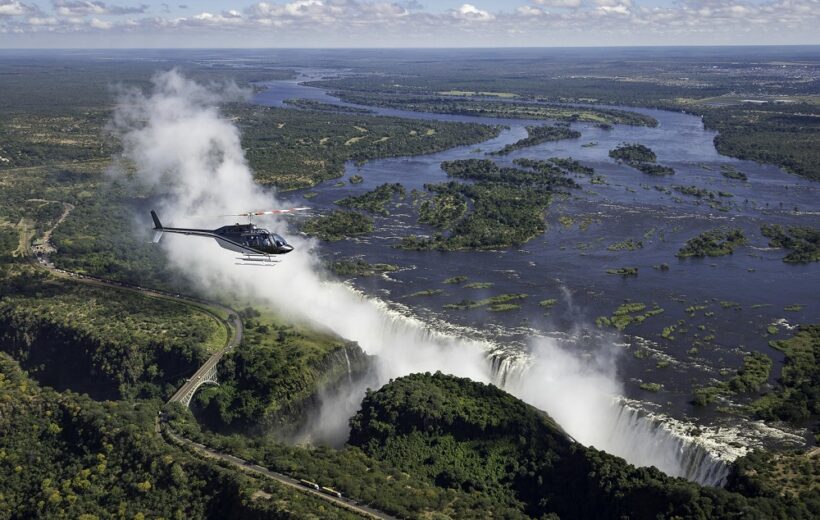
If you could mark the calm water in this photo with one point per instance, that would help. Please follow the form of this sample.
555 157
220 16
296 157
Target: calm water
569 262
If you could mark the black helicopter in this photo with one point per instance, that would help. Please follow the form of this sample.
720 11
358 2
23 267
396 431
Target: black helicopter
256 244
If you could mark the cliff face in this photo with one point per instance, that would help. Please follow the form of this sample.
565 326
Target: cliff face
340 367
57 356
272 389
69 358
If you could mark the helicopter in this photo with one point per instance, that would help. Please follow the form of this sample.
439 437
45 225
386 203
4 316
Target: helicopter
255 244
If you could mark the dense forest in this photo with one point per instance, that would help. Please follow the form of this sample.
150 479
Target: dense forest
507 205
474 437
716 242
269 383
537 135
640 157
299 148
79 337
802 242
63 455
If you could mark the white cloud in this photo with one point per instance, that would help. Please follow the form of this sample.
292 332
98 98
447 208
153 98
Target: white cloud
569 4
615 9
526 10
85 8
14 8
96 23
408 23
612 3
471 13
41 21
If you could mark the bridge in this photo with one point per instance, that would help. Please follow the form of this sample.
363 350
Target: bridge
206 374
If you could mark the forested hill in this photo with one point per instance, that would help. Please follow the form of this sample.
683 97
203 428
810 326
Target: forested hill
465 435
66 456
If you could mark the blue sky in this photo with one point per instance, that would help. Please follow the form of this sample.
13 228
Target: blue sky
406 23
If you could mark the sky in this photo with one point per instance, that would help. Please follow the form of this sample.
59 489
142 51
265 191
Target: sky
405 23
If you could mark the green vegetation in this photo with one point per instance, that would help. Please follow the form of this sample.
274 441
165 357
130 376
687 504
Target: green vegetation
356 179
803 242
639 157
374 201
749 378
298 148
717 242
426 292
797 398
488 108
359 267
500 303
78 337
478 285
623 271
695 191
338 225
548 303
730 172
785 135
454 280
652 387
457 434
269 382
64 455
507 205
701 83
625 245
792 475
538 135
571 165
627 314
443 211
633 153
312 104
352 472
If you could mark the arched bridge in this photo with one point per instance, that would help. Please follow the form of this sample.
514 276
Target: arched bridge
207 372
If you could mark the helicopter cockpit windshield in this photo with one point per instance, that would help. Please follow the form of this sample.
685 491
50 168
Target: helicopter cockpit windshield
279 241
266 241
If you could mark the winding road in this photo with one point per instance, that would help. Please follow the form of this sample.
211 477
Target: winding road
40 257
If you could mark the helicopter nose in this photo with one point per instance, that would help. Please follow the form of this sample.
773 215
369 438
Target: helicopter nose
287 248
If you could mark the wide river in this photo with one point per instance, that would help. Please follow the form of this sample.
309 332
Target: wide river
721 308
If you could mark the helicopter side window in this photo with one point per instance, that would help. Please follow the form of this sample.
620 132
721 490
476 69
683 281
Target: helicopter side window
278 240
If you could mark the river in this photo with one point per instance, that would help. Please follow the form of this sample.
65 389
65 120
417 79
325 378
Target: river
720 307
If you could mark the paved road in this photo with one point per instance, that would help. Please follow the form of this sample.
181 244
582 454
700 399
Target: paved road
256 470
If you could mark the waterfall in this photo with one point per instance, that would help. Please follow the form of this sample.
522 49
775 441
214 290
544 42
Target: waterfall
349 370
617 427
577 392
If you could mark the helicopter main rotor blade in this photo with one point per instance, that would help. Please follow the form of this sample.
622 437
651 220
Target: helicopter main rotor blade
268 212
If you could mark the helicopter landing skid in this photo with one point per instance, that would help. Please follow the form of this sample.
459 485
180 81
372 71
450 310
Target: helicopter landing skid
260 260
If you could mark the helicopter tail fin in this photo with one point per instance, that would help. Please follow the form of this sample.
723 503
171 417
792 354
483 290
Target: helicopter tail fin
157 223
157 227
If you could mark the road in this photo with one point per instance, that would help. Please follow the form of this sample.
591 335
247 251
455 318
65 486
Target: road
234 338
254 469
